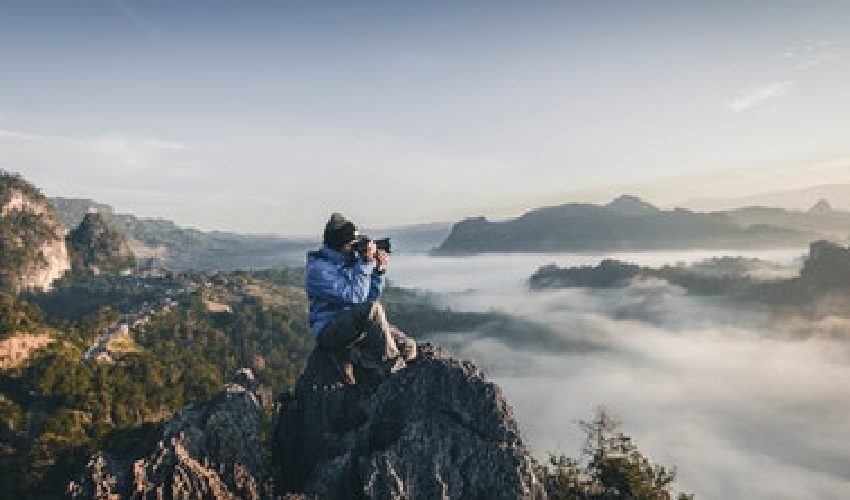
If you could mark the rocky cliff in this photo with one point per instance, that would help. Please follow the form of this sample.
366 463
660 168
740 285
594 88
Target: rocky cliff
436 430
32 243
96 247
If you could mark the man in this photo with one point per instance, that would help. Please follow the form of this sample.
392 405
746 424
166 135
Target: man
343 287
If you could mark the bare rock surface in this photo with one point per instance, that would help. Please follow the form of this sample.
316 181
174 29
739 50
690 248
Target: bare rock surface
436 430
209 450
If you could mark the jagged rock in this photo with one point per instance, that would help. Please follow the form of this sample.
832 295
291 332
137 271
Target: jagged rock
32 244
208 450
98 248
437 429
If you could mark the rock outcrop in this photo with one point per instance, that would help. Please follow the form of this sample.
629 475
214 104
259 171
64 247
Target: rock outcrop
208 450
96 247
32 244
435 430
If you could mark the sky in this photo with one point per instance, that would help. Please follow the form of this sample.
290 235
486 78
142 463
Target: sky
266 116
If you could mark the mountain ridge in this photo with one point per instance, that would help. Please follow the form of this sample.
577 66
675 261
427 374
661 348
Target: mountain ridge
629 223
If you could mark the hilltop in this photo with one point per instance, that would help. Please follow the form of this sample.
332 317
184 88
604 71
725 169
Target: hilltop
96 247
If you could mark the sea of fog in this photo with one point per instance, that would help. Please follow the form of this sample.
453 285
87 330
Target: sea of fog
741 408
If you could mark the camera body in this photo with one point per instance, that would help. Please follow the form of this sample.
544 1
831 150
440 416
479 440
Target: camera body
382 244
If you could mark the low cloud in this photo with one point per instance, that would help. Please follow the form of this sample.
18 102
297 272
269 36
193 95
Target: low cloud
737 401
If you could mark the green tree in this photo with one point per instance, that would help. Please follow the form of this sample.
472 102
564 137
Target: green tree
615 469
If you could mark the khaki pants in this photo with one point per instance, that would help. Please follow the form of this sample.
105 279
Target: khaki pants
365 327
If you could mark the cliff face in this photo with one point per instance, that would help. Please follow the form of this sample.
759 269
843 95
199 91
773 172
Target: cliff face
32 245
97 247
437 429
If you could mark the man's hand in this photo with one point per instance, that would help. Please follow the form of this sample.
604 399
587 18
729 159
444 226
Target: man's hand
382 260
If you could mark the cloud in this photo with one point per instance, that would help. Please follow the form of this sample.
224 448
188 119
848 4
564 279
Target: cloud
754 98
740 405
139 152
800 59
810 55
113 165
13 134
125 149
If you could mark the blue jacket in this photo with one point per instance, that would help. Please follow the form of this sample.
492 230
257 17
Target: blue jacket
336 282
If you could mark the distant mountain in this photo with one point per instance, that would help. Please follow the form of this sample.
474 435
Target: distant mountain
794 199
186 248
626 223
820 218
96 247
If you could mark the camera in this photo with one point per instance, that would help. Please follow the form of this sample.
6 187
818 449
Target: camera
382 244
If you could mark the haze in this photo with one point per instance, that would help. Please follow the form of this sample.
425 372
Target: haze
265 116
